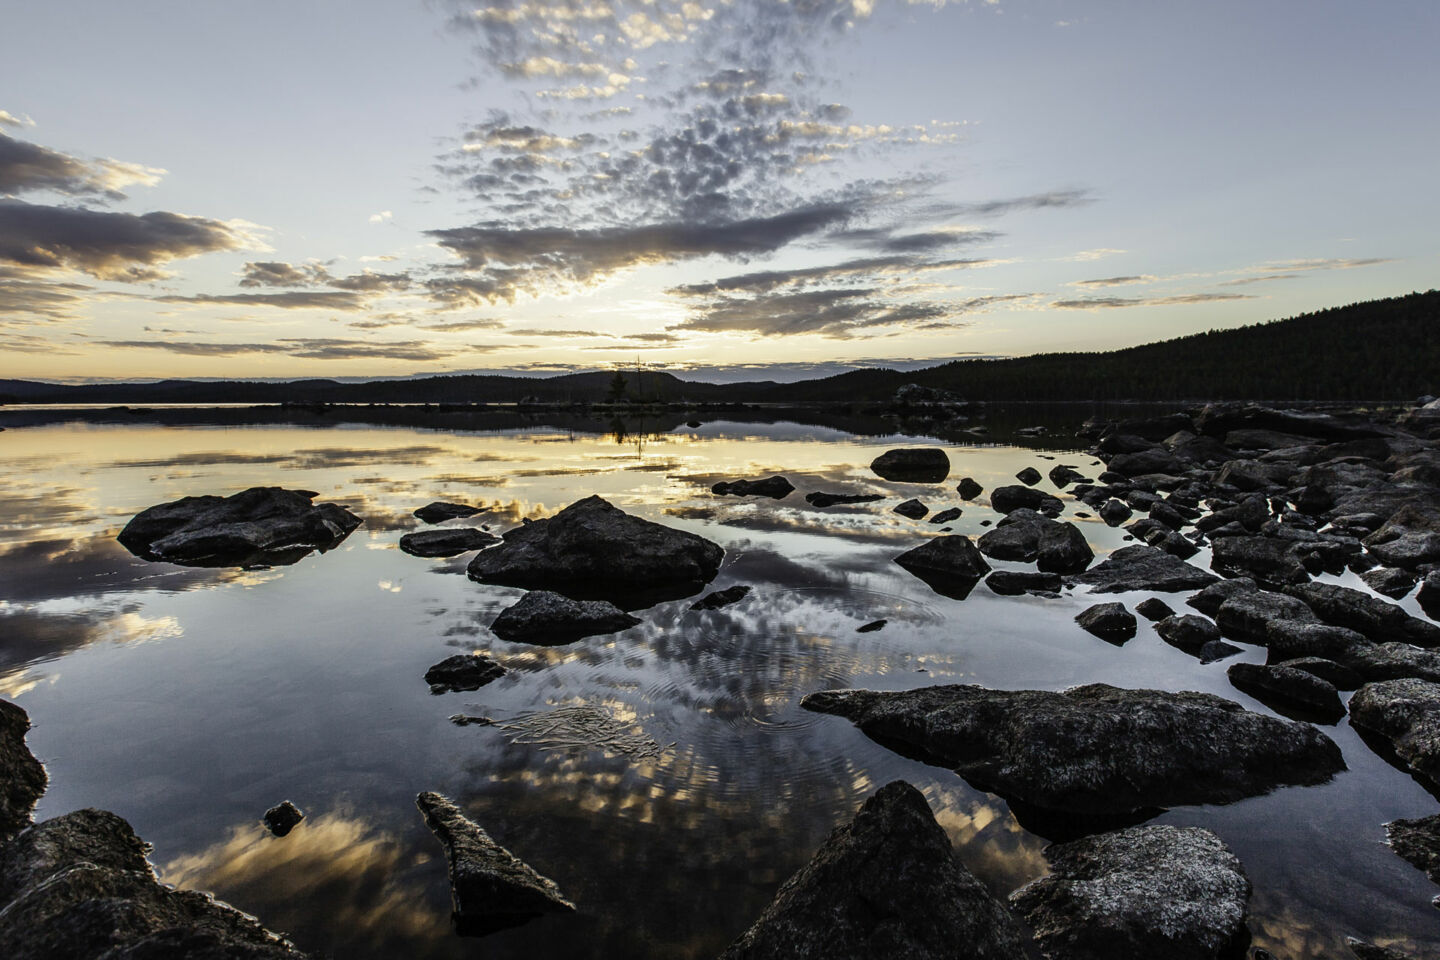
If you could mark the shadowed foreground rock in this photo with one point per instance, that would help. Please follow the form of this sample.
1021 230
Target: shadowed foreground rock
1095 750
490 888
545 617
886 884
22 778
1418 841
1157 892
464 671
1143 568
1406 713
262 525
594 549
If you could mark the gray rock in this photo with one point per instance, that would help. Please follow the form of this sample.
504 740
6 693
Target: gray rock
777 488
1097 749
1155 891
546 617
1250 514
1290 691
819 499
887 884
913 465
22 777
1013 497
949 564
1141 567
1377 619
449 542
1208 601
1248 614
1012 583
1153 608
1409 538
945 516
1407 714
1188 633
722 598
1110 622
1389 581
969 489
464 671
913 509
1217 650
260 526
1418 842
1012 541
1337 675
440 511
282 818
1115 512
594 549
1266 559
490 888
1062 549
1029 476
1429 594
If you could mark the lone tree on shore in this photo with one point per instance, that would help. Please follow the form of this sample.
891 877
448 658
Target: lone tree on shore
617 386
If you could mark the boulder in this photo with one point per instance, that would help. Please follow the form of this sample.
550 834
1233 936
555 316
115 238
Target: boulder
913 465
777 488
1014 496
546 617
1154 460
912 509
1019 542
1267 559
22 777
1114 512
490 888
1110 622
266 526
1217 650
1062 549
1337 675
1153 608
1418 842
1208 601
950 564
1141 567
722 598
1188 633
1369 951
1407 714
947 515
969 489
1248 614
1153 891
819 499
1062 475
1096 749
464 671
1029 476
1409 538
1289 691
440 511
1389 581
1377 619
593 549
282 818
1010 583
887 884
449 542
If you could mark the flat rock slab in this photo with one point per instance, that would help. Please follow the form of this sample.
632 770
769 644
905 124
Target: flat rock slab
1094 750
1152 891
777 488
1143 568
1418 842
722 598
463 672
1407 714
887 884
1012 583
266 526
946 515
545 617
594 549
22 777
1380 620
913 465
490 888
440 511
446 543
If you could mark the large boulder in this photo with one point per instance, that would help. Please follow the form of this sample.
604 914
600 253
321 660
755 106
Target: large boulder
1268 559
546 617
22 777
1097 749
913 465
1407 714
886 884
1248 614
594 549
950 564
261 526
1377 619
450 542
1153 891
1142 567
1110 622
1188 632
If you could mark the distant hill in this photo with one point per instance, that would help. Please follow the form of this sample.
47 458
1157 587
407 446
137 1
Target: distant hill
1378 350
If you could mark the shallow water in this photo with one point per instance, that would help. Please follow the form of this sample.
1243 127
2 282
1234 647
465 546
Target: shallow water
190 700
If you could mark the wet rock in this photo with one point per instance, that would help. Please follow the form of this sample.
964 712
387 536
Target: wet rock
22 777
1407 714
1025 535
1208 601
1062 475
1217 650
721 598
282 818
1012 541
777 488
1248 614
1142 567
1188 633
872 626
1115 512
1409 538
1062 549
593 549
1096 749
887 884
463 671
490 888
950 564
1029 476
1154 891
913 465
1011 583
969 489
831 499
945 516
1337 675
546 617
913 509
1013 497
440 511
1265 558
1377 619
1429 594
1154 609
1389 581
1418 842
266 526
1110 622
1290 691
450 542
79 887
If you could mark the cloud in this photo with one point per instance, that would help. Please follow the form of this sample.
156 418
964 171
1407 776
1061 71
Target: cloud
462 326
290 300
1099 253
110 246
273 273
381 217
1326 264
1107 303
308 348
928 241
871 267
1114 281
8 119
1051 200
1245 281
838 313
22 293
27 167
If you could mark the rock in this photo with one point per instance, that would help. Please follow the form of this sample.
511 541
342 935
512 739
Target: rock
777 488
1251 475
1369 951
1428 595
449 542
1143 568
1389 581
259 526
1096 749
913 509
22 777
1217 650
1377 619
1029 476
945 516
1188 633
593 549
1250 514
545 617
440 511
872 626
1409 538
1010 583
1153 608
1418 842
1406 713
1120 443
1062 549
1248 614
721 598
464 671
490 888
1013 497
1265 558
969 489
887 884
282 818
950 564
1155 460
1110 622
1337 675
1012 541
1289 691
1154 891
831 499
1208 601
79 887
1062 475
913 465
1114 512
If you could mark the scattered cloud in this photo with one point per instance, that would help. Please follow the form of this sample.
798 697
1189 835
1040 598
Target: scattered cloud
289 300
382 216
8 119
306 348
1114 281
28 167
1108 303
273 273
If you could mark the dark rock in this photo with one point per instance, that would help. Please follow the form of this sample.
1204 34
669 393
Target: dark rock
490 888
1248 614
1251 475
283 817
721 598
950 564
1218 419
1062 549
1062 475
1110 622
1026 535
1264 558
1217 650
1094 749
1155 891
1369 951
1141 567
261 526
546 617
1208 601
913 465
945 516
1377 619
1389 581
1429 595
872 626
1188 633
22 777
1153 609
1409 538
1407 714
593 549
440 511
1168 515
1029 476
913 509
1011 583
1292 639
1289 691
446 543
1013 497
1250 514
1418 842
1337 675
969 489
887 884
831 499
1154 460
1253 439
1114 512
777 488
1121 443
463 672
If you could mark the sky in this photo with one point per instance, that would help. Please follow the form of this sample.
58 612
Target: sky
726 189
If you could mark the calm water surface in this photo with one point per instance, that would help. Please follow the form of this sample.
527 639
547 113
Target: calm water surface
191 700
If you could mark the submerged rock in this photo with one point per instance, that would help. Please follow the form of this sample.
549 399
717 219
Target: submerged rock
1157 891
1407 714
1012 583
913 465
887 884
450 542
950 564
1287 690
1141 567
593 549
464 671
282 818
440 511
259 526
777 488
1110 622
22 777
490 888
1418 842
545 617
721 598
819 499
